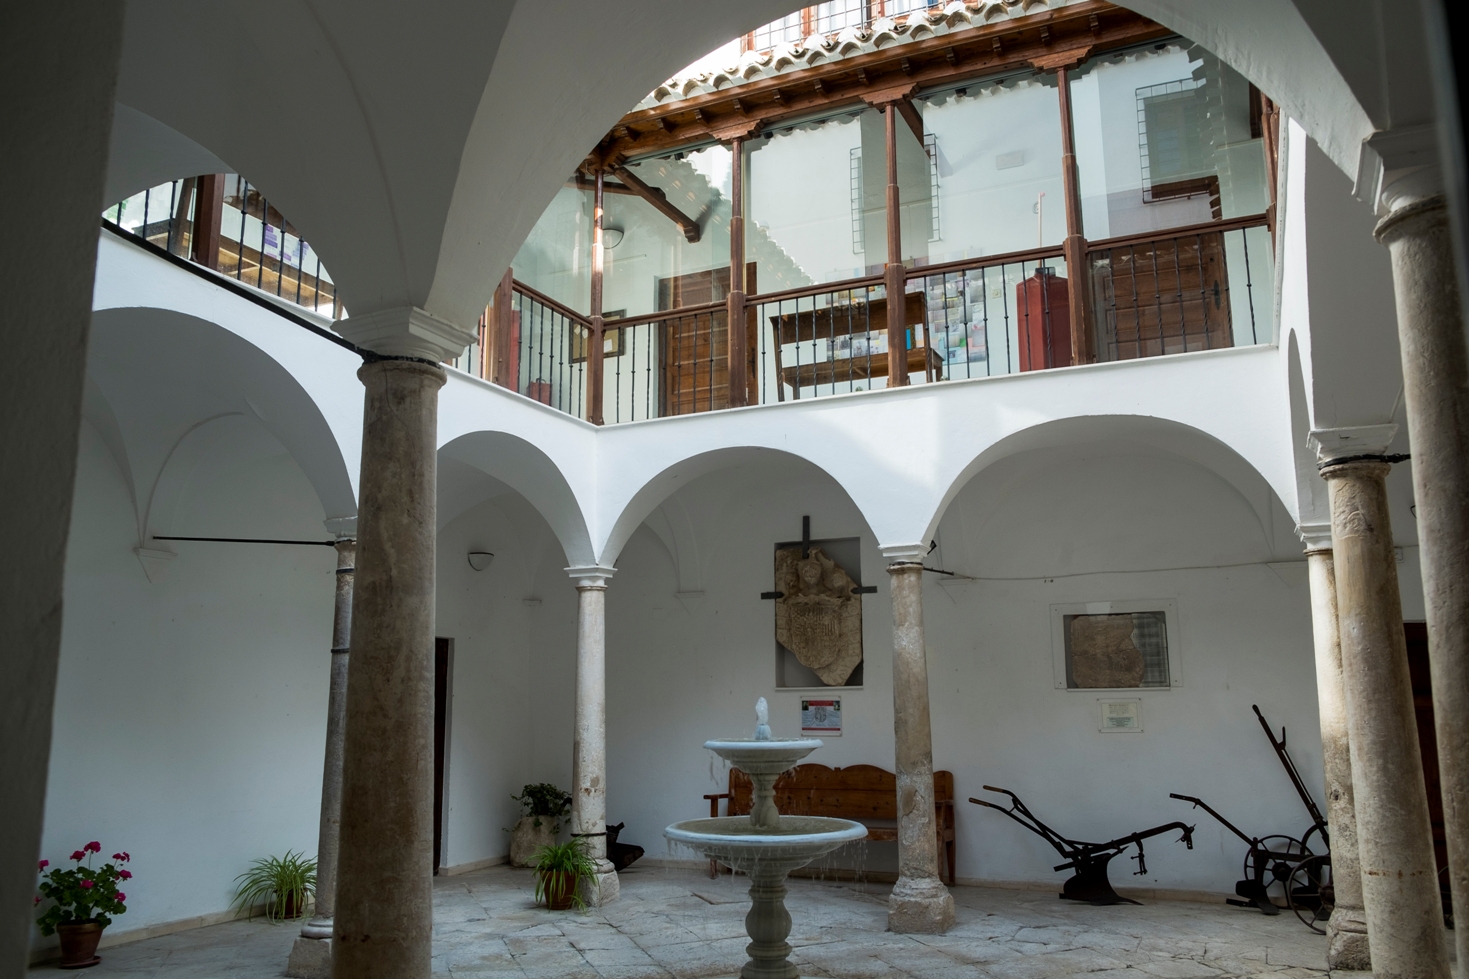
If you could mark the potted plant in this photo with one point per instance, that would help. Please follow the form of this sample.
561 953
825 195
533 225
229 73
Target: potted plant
542 805
282 884
560 869
84 899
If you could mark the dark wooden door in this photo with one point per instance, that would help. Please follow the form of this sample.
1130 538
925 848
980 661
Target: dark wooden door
442 648
1417 635
695 349
1163 297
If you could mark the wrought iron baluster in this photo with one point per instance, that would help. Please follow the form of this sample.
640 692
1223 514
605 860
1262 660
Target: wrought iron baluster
1178 282
1244 236
1203 291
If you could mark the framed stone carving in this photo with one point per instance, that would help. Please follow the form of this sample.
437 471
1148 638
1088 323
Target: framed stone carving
818 616
1129 645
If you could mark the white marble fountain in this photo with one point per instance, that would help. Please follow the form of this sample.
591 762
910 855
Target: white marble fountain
765 845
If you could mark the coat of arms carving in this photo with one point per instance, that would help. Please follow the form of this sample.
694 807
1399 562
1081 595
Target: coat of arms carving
817 616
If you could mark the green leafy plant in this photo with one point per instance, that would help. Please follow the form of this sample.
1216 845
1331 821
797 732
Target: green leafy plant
282 884
560 868
544 799
82 894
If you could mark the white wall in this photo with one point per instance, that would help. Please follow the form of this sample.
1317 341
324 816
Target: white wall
191 712
494 712
1107 523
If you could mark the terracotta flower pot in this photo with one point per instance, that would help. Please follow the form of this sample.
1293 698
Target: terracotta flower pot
560 889
79 944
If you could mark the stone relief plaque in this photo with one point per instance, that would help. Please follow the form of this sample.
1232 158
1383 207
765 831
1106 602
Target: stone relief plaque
1103 653
817 617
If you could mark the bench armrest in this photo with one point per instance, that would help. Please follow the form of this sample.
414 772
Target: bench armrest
714 802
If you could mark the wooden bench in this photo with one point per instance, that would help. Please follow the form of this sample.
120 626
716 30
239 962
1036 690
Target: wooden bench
860 792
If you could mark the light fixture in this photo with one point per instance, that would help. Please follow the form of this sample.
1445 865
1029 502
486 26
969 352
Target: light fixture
479 560
611 237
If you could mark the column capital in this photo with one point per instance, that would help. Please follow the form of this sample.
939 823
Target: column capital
1340 444
1315 535
406 331
904 553
591 575
342 528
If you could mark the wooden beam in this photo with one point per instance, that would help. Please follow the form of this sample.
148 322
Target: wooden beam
208 214
1078 271
659 201
594 334
735 314
1074 32
895 276
912 118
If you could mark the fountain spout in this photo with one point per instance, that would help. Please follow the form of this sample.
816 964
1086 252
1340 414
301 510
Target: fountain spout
762 720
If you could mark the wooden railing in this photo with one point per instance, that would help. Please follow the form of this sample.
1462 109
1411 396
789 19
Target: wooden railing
1147 295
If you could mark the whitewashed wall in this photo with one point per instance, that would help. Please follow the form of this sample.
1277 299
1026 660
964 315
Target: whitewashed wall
191 712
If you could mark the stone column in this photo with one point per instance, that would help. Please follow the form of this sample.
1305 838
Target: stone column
920 903
59 74
589 748
311 954
1395 841
384 910
1347 930
1436 395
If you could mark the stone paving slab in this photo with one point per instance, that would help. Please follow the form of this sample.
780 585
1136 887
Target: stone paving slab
679 924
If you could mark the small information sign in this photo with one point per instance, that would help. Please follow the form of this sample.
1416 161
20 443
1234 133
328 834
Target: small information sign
821 718
1119 716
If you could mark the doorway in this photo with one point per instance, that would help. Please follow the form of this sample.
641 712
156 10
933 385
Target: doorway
443 669
1416 634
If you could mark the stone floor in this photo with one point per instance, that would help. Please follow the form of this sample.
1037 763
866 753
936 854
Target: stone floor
678 923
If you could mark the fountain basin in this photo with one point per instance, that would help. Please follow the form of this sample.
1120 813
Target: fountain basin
734 841
769 757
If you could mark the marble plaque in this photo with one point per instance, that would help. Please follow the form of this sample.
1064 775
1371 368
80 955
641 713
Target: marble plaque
817 617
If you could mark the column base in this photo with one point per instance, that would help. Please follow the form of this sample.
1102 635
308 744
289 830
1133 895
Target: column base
920 907
1346 936
602 889
311 958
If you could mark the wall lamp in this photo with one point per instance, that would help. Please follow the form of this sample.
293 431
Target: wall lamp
479 560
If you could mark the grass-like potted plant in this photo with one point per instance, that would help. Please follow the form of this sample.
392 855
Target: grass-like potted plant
542 806
560 869
282 884
84 899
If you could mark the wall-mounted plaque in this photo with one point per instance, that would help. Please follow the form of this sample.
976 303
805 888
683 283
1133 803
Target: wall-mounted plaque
1120 716
821 718
818 616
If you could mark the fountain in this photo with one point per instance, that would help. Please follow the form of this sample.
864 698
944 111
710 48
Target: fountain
765 845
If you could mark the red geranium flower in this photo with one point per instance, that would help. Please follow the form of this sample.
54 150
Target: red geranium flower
86 885
125 874
43 865
79 855
94 846
121 896
38 899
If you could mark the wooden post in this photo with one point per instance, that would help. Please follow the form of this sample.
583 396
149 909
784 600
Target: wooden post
735 302
594 341
503 369
208 214
895 277
1074 248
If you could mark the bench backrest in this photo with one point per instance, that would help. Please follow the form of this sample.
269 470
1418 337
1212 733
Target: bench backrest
854 792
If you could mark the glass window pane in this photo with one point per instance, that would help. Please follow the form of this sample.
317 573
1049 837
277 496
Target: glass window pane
998 179
1165 137
815 202
649 264
555 258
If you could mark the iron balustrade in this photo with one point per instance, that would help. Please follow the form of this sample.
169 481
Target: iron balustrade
1148 295
1184 290
259 248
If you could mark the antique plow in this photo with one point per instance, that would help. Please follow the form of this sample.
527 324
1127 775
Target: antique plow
1089 860
1283 868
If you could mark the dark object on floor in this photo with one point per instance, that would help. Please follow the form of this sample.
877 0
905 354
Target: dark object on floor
1089 860
1283 868
621 854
